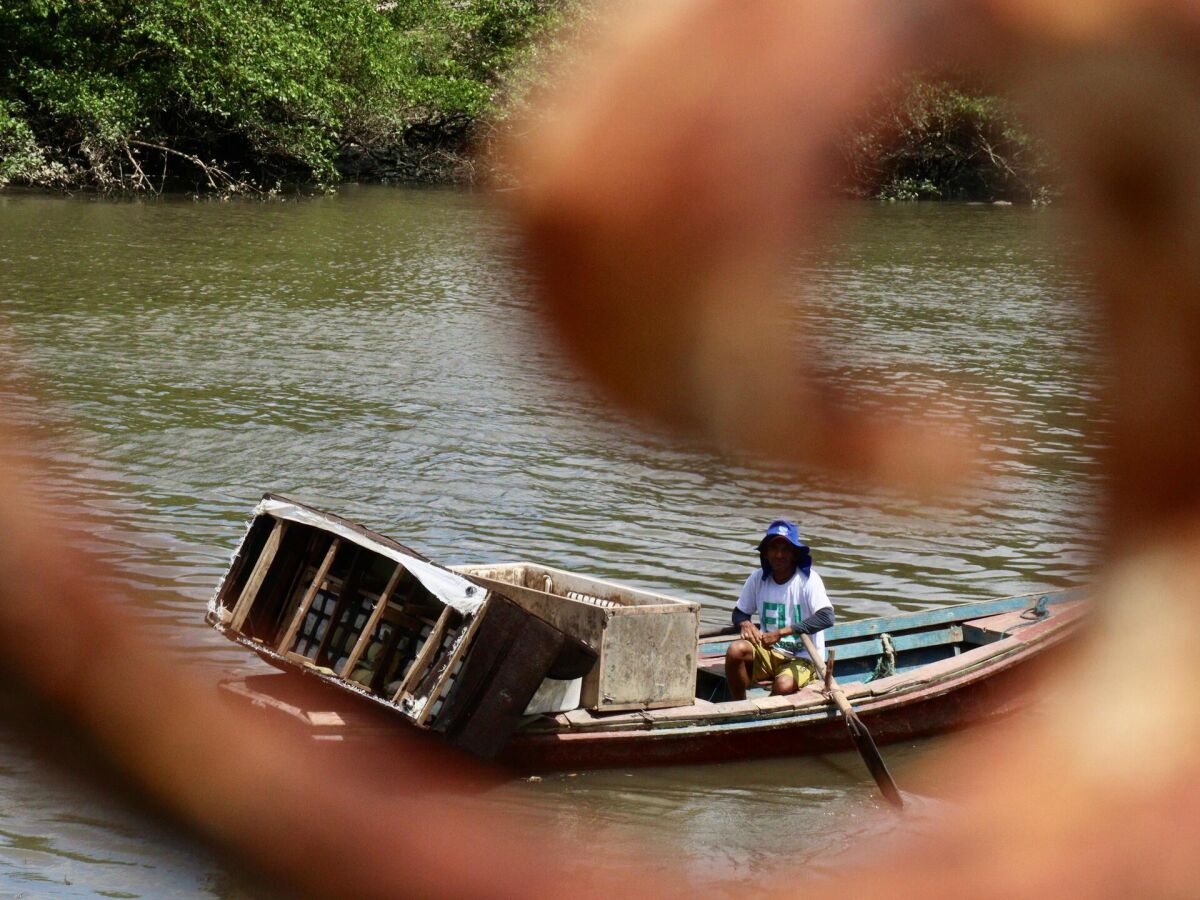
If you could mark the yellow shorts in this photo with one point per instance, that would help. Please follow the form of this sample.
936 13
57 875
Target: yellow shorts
770 664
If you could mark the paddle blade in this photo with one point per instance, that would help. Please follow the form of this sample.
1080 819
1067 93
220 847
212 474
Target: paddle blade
871 756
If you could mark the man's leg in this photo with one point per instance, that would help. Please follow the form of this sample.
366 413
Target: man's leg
796 675
739 664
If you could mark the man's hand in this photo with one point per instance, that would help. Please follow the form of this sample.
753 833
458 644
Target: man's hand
771 637
750 632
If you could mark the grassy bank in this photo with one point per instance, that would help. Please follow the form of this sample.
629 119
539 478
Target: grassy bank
230 96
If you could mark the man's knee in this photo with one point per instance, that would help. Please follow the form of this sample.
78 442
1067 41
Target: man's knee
743 651
784 684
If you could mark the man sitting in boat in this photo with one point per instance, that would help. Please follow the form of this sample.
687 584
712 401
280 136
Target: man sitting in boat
789 599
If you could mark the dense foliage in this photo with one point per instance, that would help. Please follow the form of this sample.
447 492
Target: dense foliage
934 139
234 93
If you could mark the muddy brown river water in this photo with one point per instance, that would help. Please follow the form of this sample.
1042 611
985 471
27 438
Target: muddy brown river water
376 353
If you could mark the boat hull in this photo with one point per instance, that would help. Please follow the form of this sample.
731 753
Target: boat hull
958 699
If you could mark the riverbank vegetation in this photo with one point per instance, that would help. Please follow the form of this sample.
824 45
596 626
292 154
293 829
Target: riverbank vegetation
936 138
233 95
237 96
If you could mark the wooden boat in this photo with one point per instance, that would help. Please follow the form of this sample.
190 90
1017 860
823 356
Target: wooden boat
909 675
547 669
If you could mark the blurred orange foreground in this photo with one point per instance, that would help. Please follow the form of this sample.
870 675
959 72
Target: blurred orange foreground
661 202
664 197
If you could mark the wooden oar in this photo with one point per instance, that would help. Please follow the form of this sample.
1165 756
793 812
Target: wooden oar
858 731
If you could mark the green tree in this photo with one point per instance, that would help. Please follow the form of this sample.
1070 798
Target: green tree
233 93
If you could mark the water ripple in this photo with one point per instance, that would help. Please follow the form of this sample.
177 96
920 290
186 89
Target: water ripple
377 354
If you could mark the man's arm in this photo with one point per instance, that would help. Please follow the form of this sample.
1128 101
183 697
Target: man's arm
820 620
743 620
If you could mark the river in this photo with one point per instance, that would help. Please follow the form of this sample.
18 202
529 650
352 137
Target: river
376 353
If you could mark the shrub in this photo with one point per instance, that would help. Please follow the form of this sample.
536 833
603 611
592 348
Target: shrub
21 158
934 139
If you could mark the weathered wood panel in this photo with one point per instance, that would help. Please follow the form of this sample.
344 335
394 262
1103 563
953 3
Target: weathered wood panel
289 636
646 642
349 592
512 653
242 608
440 675
424 657
648 661
900 642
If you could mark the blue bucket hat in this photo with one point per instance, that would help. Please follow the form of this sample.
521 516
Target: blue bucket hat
787 530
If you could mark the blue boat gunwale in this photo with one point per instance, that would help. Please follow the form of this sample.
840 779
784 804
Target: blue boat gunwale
955 612
901 627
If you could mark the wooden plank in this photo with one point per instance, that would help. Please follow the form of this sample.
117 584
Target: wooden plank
418 666
241 609
586 719
364 639
383 663
944 615
310 545
699 708
444 677
345 595
771 702
302 610
412 623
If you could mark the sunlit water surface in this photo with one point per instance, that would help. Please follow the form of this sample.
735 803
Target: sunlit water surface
375 353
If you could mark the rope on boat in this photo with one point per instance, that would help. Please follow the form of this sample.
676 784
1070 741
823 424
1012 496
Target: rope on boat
887 663
1038 610
1035 613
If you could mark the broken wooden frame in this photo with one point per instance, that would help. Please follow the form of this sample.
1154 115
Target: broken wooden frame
311 591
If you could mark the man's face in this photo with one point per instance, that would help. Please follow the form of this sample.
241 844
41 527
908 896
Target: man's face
781 557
